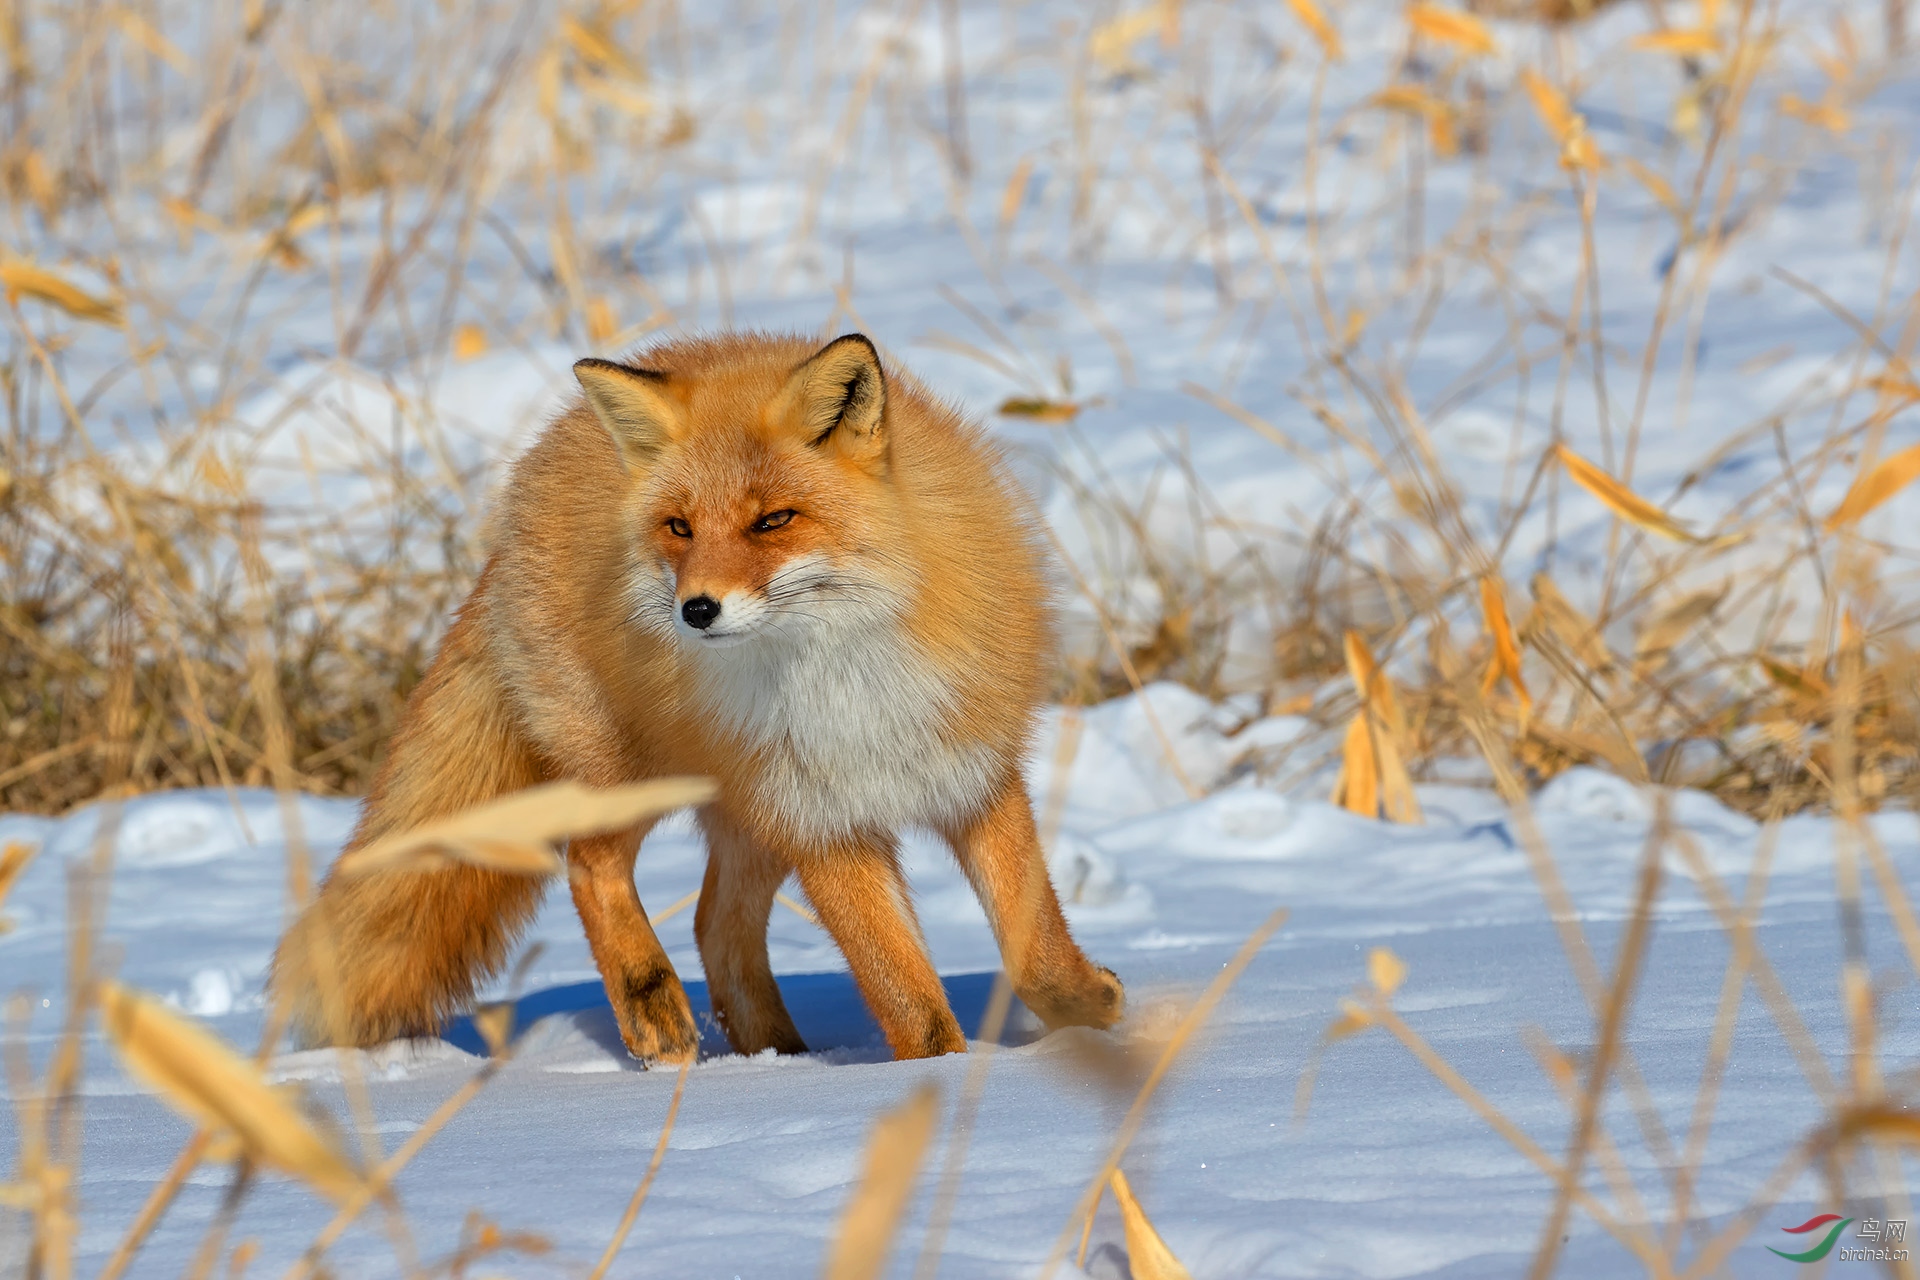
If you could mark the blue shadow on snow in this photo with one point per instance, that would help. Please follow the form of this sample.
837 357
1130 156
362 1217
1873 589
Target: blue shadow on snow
826 1007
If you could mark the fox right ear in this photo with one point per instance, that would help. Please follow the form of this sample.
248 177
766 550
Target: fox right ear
632 405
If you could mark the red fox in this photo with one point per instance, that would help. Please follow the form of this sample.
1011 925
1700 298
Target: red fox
790 569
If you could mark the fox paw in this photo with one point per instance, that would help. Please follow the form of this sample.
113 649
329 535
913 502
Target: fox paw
656 1023
1094 999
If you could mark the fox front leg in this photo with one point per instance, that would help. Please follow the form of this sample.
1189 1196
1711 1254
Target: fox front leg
730 925
861 896
655 1020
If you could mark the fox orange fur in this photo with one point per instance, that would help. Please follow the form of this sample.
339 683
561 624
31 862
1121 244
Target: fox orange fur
781 566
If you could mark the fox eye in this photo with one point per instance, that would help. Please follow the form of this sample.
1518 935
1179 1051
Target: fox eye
773 520
680 528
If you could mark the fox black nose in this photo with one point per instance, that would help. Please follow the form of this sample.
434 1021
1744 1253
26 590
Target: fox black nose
700 612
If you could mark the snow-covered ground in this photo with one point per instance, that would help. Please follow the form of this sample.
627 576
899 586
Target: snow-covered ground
1388 1175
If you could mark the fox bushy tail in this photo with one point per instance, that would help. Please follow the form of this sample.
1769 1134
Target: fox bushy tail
395 953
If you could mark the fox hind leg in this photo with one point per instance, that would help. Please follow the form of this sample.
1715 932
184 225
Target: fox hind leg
656 1023
730 925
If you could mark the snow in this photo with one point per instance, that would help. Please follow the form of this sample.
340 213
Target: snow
1388 1175
1167 864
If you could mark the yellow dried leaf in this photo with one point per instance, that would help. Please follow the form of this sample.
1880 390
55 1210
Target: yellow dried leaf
1804 684
137 29
1358 788
43 185
1385 970
1827 115
1570 626
1396 784
1361 666
621 95
1886 479
1578 151
217 474
1039 410
1598 743
1314 18
1112 42
1657 187
1622 501
209 1083
1853 637
469 342
600 322
1015 194
1689 110
1148 1257
151 547
1506 650
515 833
1558 1066
547 80
13 862
25 279
1672 624
1691 42
597 48
1371 683
1450 26
189 216
894 1155
1354 1018
1894 387
1411 100
494 1022
1551 106
1885 1123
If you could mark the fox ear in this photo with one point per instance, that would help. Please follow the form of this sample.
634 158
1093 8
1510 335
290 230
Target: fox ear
838 398
632 405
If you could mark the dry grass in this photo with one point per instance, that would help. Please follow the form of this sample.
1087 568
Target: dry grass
177 192
140 588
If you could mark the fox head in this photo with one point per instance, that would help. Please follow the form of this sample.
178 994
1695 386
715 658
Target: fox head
761 490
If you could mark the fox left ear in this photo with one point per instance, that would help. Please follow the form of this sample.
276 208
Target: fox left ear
838 399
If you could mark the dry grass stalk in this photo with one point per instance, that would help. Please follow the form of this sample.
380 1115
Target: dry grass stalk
639 1197
516 833
1148 1257
1194 1018
13 861
378 1182
1377 1012
894 1155
999 1005
1373 774
203 1079
1613 1022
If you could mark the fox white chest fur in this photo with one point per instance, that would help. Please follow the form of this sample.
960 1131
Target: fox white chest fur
849 722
